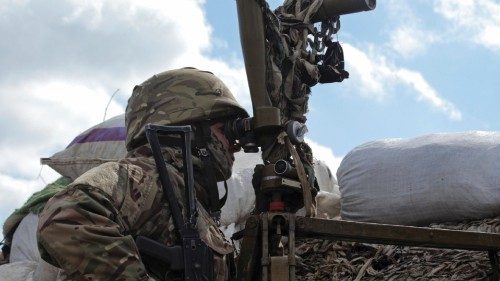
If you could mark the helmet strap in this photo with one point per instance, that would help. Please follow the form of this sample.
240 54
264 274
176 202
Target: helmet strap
202 138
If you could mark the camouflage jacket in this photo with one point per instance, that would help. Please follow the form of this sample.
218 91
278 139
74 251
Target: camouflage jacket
88 229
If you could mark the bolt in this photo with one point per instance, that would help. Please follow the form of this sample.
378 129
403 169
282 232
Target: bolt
251 222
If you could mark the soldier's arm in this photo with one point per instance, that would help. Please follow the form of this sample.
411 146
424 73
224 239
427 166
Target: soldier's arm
81 232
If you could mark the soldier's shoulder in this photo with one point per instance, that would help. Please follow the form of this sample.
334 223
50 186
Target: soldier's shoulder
108 176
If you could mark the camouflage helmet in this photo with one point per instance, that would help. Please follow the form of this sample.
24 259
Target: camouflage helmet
178 97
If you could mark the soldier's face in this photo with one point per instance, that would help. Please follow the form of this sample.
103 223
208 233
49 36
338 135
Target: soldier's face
217 130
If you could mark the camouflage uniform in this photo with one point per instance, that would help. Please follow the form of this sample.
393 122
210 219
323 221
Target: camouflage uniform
88 229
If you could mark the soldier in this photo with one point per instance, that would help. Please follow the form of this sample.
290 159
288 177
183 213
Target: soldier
88 230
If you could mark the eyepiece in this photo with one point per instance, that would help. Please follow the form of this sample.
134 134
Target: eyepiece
236 129
240 131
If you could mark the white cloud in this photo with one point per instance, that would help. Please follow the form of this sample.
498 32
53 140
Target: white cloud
112 44
409 41
477 19
369 75
61 61
410 35
427 93
373 77
16 190
43 116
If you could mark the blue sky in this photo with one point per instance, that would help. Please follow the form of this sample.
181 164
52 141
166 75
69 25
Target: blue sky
417 67
460 70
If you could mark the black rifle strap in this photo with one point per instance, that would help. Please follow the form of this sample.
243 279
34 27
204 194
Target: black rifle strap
168 190
197 257
222 201
203 137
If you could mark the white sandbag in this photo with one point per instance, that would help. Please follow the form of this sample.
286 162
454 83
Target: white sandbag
240 199
47 272
25 261
326 180
429 179
30 271
102 143
328 205
24 244
18 271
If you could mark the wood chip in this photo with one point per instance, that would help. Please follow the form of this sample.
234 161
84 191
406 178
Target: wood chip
326 260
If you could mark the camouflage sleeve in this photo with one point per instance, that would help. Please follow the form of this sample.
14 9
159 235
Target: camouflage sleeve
82 231
79 230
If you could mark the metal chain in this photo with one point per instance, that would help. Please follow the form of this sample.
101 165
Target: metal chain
321 37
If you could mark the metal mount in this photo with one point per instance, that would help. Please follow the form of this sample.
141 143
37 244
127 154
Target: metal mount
261 232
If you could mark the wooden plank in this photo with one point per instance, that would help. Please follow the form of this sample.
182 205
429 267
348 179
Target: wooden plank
395 234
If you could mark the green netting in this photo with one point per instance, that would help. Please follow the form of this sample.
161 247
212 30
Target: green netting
34 204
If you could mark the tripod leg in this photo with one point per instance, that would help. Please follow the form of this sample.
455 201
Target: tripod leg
291 246
249 260
265 262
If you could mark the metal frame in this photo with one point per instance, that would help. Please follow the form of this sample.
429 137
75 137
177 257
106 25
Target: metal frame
355 232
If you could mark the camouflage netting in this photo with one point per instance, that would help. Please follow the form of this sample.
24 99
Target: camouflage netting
326 260
298 56
34 204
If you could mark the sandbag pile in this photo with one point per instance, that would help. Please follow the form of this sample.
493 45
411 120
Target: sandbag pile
326 260
18 271
97 145
28 270
430 179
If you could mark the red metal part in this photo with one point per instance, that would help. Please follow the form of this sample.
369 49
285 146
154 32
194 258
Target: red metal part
276 206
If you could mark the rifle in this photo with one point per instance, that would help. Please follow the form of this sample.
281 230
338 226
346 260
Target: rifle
193 259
